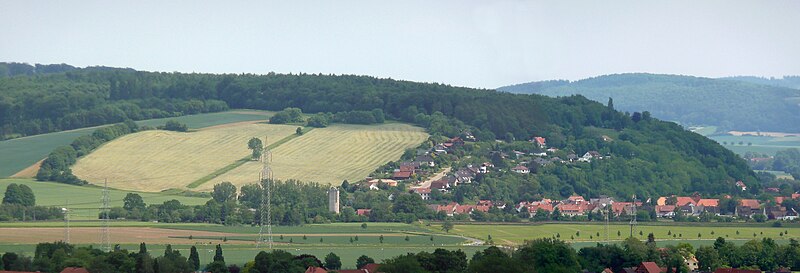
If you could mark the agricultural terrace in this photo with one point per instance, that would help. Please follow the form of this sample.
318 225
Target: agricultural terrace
157 160
588 233
332 154
21 153
85 200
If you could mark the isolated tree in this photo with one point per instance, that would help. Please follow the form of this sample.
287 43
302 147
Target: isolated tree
194 259
364 225
332 261
224 192
364 260
299 131
218 254
447 226
133 201
256 146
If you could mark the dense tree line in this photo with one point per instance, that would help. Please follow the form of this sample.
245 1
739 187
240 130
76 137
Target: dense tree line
293 203
659 151
736 104
54 257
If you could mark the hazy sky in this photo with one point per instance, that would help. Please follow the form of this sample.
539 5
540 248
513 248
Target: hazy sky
467 43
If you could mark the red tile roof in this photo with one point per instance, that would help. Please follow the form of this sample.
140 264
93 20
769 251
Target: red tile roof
314 269
751 203
363 212
371 268
649 267
74 270
401 175
708 202
665 208
683 201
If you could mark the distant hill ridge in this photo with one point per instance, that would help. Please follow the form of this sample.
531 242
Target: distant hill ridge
732 103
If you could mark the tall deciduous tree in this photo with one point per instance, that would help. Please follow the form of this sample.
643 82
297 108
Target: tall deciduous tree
256 146
224 192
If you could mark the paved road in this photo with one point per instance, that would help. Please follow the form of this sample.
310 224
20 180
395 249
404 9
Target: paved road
437 176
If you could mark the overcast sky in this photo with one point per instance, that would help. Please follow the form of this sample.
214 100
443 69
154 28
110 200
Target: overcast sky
466 43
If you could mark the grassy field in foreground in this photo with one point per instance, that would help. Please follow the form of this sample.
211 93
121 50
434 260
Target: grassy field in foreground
85 200
17 154
334 228
517 234
240 254
332 154
157 160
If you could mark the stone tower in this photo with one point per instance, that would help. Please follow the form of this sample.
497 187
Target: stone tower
333 200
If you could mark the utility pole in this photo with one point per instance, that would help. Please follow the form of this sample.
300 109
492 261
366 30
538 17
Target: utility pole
105 240
266 180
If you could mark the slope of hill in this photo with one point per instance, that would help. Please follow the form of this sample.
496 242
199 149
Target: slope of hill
333 154
729 104
661 152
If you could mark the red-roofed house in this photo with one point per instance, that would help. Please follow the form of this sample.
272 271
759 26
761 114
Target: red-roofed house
573 209
400 175
464 209
363 212
540 141
741 185
371 268
425 193
649 267
314 269
665 211
748 207
620 208
448 209
576 199
74 270
521 169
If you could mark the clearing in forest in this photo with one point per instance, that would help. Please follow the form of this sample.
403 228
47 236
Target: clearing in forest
330 155
157 160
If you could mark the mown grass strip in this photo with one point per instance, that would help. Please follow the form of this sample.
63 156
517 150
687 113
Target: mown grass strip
241 162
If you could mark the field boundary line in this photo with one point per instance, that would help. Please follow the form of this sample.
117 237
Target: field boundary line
240 162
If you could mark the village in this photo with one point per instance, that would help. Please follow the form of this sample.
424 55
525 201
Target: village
574 208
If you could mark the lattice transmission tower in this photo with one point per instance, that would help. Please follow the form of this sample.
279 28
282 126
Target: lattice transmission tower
105 238
633 219
266 180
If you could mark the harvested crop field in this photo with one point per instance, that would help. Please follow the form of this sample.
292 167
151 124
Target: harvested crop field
85 235
330 155
158 160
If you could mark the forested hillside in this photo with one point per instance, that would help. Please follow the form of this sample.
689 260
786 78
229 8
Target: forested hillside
785 81
651 151
729 104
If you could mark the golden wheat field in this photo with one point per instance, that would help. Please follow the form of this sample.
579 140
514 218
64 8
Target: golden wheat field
157 160
330 155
